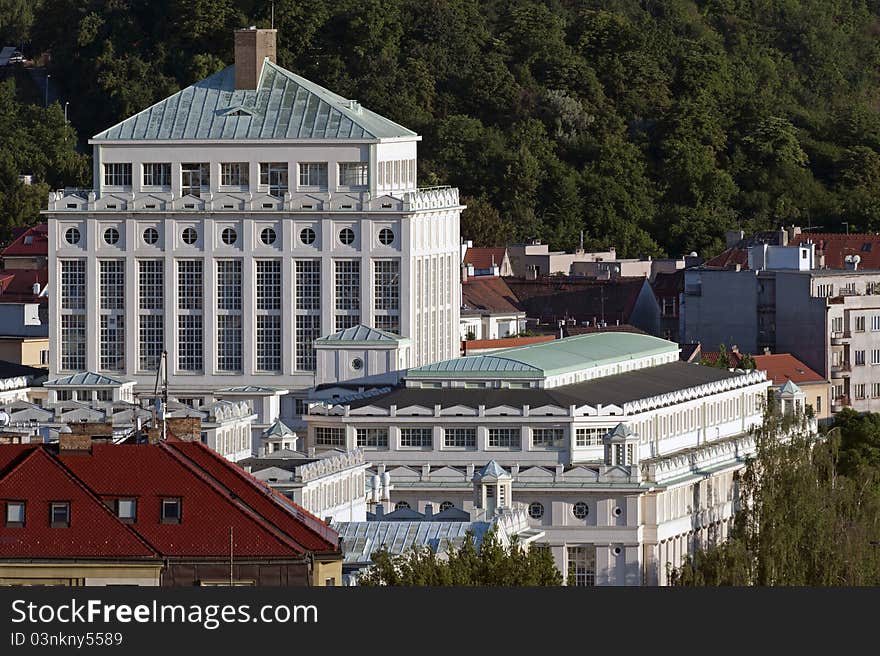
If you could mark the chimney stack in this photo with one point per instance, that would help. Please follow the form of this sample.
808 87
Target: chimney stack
252 46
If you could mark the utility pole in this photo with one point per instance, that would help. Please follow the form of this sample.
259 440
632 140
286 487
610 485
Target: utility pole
46 103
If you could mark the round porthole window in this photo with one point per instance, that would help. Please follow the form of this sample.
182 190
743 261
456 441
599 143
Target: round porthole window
618 511
268 236
111 236
151 236
536 510
229 236
617 551
189 236
386 236
307 236
71 236
357 364
580 510
346 236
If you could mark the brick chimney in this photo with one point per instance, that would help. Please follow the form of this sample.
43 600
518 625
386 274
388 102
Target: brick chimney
186 429
252 46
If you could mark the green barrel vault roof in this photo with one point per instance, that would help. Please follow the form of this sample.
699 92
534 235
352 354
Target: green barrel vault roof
552 358
285 106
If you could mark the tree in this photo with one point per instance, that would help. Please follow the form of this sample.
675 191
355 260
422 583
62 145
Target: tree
490 565
801 522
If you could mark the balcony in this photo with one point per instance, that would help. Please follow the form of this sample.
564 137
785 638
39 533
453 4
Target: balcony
840 370
838 403
840 338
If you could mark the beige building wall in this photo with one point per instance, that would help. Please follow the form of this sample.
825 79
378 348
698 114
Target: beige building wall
24 351
327 573
80 574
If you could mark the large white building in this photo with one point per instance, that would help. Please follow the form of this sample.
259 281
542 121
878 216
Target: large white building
624 455
237 221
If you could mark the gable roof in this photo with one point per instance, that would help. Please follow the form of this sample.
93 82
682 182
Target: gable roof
38 479
488 294
216 496
285 106
790 388
360 333
782 367
86 378
484 258
32 241
17 285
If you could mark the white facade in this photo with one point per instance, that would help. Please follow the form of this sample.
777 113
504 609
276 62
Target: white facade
613 512
234 254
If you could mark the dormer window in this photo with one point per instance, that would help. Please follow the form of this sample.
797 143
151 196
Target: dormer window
171 511
15 514
59 514
126 510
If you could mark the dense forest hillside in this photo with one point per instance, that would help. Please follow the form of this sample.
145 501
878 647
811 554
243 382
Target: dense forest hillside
652 125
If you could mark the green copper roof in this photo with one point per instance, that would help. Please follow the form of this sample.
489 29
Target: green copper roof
361 333
552 358
285 106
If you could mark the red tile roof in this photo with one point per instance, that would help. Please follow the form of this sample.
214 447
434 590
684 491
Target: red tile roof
16 285
31 241
504 342
490 294
571 331
215 496
552 298
782 367
729 258
37 478
836 247
483 258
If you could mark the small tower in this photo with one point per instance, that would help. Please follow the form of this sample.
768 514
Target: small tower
791 399
622 449
492 488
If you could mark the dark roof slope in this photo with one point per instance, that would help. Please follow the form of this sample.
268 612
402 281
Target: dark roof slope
553 298
618 389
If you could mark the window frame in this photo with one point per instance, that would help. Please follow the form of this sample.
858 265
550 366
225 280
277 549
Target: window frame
63 506
15 523
163 517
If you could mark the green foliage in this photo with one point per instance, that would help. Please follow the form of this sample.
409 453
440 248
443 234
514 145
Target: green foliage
810 510
490 565
34 141
650 126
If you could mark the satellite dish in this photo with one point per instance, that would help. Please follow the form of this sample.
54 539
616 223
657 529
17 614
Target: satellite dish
693 254
857 258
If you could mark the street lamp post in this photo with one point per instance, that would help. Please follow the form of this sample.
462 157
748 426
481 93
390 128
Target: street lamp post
46 103
66 103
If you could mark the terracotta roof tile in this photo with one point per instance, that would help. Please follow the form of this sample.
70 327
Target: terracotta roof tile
483 258
490 294
32 241
782 367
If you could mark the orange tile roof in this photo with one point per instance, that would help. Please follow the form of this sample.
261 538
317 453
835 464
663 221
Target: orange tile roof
482 258
782 367
504 342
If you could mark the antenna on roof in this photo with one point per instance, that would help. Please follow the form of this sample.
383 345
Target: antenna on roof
273 14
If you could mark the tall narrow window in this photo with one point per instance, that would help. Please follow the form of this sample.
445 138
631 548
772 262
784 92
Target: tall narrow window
73 317
273 177
581 565
151 306
348 293
194 178
112 320
190 338
268 315
308 312
229 315
386 295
